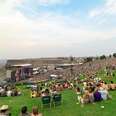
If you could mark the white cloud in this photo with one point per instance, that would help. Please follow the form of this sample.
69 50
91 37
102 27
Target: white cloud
8 6
108 8
22 36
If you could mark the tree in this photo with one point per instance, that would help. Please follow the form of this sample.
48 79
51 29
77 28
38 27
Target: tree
97 58
88 59
102 57
110 56
72 59
114 55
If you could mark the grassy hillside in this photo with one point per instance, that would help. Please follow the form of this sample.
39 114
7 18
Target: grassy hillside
68 107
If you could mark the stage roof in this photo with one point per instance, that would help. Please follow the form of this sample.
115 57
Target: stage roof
22 65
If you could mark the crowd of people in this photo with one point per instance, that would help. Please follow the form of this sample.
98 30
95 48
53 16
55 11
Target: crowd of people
49 89
91 89
9 90
93 92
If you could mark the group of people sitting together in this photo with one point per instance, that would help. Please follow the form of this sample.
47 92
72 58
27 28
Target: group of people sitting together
93 91
9 90
49 89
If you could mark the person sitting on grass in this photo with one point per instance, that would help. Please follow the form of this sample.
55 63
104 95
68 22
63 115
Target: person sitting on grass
66 85
45 93
35 112
4 111
97 96
85 98
58 87
33 94
2 92
105 85
24 111
53 92
91 95
78 92
104 92
9 93
112 86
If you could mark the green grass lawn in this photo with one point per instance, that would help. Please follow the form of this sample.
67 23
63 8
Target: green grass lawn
68 107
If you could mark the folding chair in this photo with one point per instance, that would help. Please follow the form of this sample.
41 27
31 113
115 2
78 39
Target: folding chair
46 101
57 99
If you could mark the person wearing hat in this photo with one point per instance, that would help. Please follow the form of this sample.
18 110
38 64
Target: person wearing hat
4 111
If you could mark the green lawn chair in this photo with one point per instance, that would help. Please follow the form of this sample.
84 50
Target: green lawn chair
57 99
46 101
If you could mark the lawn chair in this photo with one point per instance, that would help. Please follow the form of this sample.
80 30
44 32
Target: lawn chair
57 99
46 101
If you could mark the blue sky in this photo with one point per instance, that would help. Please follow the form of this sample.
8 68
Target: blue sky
31 7
50 28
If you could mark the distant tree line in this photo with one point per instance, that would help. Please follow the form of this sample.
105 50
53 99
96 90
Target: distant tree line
102 57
